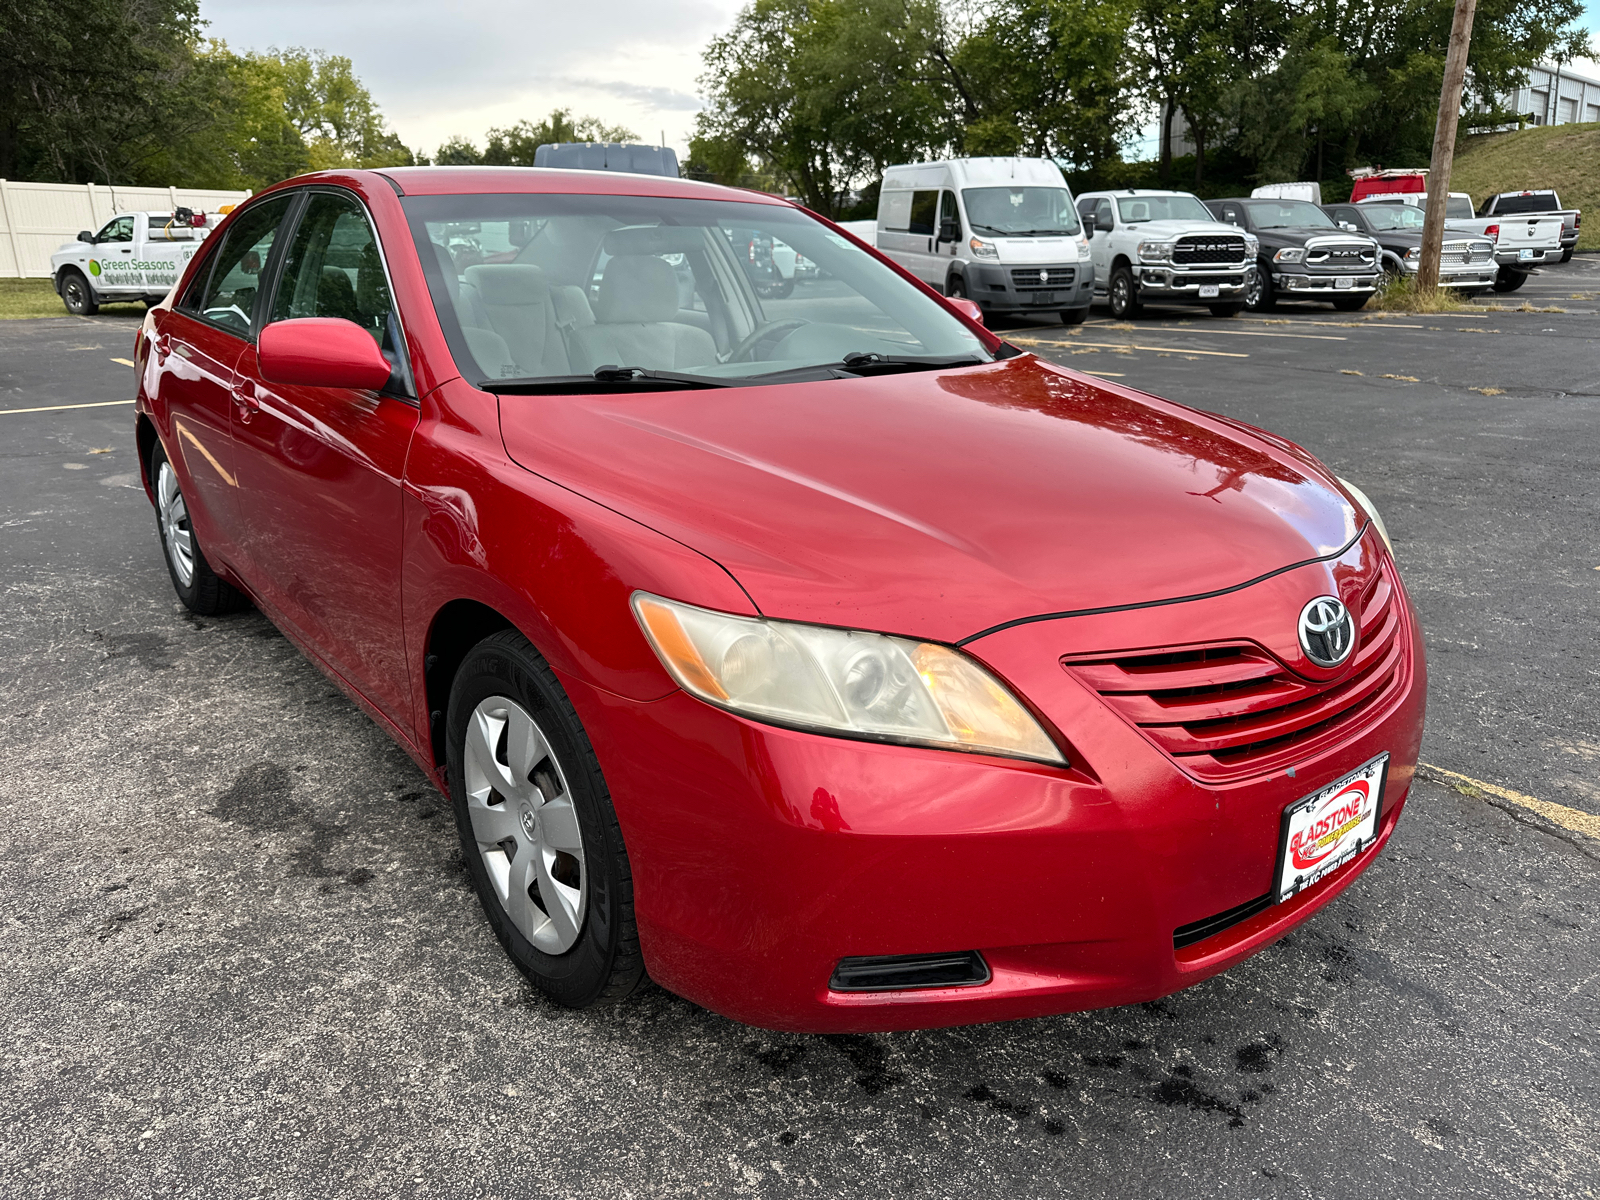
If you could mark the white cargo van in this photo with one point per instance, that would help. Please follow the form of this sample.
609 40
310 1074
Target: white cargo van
1001 231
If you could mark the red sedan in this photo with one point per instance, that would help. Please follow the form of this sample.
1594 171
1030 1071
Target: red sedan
824 656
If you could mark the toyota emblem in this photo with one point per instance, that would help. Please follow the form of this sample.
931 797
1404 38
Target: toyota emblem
1326 631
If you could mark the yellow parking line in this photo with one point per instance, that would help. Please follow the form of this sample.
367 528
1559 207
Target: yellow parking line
1124 346
60 407
1118 375
127 362
1574 819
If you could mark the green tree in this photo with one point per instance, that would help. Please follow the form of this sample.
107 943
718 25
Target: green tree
515 145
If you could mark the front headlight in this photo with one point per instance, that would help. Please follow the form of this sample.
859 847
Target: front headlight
864 685
983 249
1155 251
1371 510
1413 254
1289 254
1252 245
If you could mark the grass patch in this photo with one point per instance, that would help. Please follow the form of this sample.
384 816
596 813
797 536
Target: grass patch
1400 294
1488 391
1564 157
21 299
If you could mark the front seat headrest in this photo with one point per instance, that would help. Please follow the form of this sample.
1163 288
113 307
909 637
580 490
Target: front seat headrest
509 283
637 288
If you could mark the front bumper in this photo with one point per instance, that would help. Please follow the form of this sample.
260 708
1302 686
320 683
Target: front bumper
1471 275
1010 287
1302 283
763 856
1176 285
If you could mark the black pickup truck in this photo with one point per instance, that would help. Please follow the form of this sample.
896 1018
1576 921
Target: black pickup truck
1304 254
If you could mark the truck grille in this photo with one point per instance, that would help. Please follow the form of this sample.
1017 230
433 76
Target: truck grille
1031 278
1347 255
1208 249
1187 280
1230 710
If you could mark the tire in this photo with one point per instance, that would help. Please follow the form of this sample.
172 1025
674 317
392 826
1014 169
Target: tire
1566 255
200 588
1509 281
1259 295
77 295
1074 316
1225 310
778 289
956 286
1122 295
515 740
1350 303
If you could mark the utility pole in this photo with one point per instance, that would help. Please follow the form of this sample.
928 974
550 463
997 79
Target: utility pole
1444 144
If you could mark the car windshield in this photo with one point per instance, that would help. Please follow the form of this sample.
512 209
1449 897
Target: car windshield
1392 216
1135 210
540 287
1020 211
1286 214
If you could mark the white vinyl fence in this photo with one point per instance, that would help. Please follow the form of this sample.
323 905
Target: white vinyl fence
37 218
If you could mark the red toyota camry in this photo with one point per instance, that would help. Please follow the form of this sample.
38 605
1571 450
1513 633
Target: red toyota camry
822 655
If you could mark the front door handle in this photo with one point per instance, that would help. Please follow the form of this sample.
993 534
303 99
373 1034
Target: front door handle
245 401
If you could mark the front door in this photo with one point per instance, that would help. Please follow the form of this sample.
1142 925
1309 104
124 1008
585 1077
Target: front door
320 468
111 269
945 250
1100 245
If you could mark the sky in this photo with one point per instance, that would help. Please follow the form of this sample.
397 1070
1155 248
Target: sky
442 69
438 70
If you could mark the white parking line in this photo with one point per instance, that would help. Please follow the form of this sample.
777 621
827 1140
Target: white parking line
60 407
1023 341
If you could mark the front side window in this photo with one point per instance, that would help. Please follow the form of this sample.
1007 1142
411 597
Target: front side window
1135 210
537 287
1394 216
119 229
1287 214
333 268
1020 211
230 294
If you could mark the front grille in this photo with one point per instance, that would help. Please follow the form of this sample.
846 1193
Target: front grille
1208 249
1230 710
1204 280
1028 278
1351 255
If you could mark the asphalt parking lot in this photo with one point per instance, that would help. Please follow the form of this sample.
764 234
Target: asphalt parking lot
239 955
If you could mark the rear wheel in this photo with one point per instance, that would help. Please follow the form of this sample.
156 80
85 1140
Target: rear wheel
1225 310
540 837
200 588
1123 294
1074 316
1258 293
1566 255
1349 303
77 295
1508 280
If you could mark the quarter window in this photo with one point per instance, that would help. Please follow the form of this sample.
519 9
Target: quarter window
229 298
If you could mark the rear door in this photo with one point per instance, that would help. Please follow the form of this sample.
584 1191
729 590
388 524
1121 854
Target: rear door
320 468
196 347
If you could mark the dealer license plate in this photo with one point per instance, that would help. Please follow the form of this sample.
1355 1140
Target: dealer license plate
1328 828
1344 281
1209 291
1524 254
1042 298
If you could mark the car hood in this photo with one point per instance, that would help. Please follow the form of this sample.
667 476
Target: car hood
1174 228
940 504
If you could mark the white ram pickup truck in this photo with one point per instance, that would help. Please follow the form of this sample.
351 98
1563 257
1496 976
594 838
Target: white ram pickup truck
135 256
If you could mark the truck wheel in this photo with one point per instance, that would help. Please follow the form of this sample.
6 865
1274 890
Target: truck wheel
1508 280
1350 303
1258 293
1123 295
1074 316
200 588
1566 255
1225 310
77 295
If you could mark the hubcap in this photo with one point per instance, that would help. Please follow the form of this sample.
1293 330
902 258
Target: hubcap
176 534
525 825
1119 295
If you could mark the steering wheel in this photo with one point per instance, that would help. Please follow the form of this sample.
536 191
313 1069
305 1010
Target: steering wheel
763 333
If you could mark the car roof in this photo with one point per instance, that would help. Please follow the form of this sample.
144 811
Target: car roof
1112 193
454 181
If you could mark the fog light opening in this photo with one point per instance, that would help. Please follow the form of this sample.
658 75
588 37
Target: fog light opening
906 972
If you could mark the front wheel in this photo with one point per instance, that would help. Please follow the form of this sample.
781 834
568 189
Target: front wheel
1508 280
1258 293
1123 294
1225 310
542 843
1074 316
77 295
1349 303
200 588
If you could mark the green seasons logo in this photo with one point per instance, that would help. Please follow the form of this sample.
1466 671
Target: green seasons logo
94 266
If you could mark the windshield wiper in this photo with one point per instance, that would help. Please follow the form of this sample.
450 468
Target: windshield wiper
605 379
993 232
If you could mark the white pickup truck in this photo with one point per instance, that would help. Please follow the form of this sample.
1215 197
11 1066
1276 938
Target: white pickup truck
135 256
1521 242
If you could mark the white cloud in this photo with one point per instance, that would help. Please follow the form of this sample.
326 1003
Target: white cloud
443 69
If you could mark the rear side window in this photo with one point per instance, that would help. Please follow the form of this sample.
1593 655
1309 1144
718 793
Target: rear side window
924 212
229 298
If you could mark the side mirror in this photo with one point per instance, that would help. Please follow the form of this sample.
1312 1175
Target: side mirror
950 230
1103 224
1347 225
322 352
970 309
85 236
1088 231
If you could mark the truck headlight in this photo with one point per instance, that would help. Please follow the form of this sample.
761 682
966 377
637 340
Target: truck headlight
1290 254
1155 251
1413 254
841 681
1369 508
983 249
1252 245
